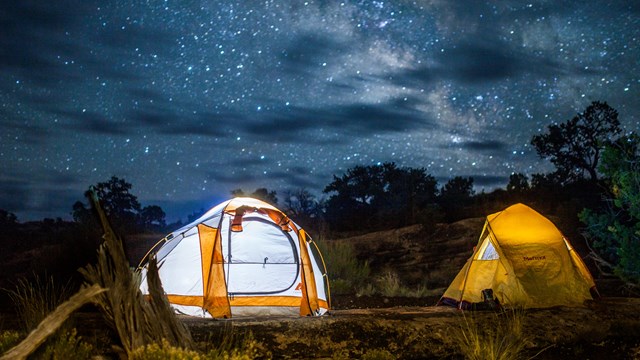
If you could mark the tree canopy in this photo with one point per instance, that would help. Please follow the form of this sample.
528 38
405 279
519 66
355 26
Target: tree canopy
122 208
378 195
574 147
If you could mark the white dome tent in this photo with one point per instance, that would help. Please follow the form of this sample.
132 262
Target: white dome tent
242 257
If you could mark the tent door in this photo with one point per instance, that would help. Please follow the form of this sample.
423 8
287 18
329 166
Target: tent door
261 259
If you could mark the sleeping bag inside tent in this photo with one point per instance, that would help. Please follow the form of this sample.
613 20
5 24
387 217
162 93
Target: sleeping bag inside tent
242 257
522 260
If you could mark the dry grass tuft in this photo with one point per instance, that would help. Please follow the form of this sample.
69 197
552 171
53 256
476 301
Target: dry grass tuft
498 338
137 322
390 285
34 300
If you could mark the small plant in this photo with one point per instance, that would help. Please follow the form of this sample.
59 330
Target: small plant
68 346
378 354
498 338
230 348
164 351
8 339
237 346
36 299
389 285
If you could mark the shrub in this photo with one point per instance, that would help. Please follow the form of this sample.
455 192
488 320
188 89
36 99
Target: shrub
346 273
615 232
68 346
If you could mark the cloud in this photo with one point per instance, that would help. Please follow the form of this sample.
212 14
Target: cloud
170 122
309 51
33 135
488 145
91 122
359 120
36 195
489 182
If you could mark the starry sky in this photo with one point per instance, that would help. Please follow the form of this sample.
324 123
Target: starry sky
188 100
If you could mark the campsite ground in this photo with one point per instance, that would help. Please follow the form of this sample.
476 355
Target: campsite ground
609 329
377 327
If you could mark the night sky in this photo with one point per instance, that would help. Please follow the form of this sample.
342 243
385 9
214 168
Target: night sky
188 100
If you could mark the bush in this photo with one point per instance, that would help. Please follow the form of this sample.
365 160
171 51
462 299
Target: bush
346 273
615 232
68 346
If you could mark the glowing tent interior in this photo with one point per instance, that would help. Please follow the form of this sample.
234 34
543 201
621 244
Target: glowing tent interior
242 257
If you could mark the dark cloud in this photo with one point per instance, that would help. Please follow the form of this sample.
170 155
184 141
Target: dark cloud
489 181
37 37
309 51
479 180
91 122
13 194
39 195
358 120
33 135
167 121
484 146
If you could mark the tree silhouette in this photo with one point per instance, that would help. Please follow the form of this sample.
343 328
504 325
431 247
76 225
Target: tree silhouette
378 196
518 183
122 209
458 188
7 219
574 147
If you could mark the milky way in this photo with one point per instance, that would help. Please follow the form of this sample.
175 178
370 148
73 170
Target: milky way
188 100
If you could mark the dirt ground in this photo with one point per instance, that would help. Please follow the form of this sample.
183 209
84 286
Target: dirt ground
413 328
606 329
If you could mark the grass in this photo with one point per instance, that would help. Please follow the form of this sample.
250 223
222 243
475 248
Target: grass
34 300
497 336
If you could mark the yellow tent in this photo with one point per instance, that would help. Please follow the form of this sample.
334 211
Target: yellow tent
525 260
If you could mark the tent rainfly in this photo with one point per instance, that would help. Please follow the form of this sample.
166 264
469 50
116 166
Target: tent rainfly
242 257
526 262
